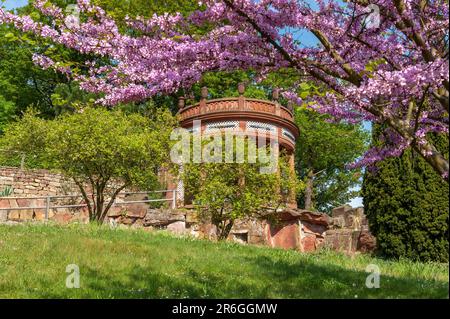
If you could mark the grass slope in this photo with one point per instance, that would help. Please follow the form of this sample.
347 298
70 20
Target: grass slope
137 264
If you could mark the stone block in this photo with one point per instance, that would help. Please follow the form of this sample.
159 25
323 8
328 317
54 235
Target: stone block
359 211
309 243
23 202
6 179
3 216
313 228
155 217
40 202
14 215
314 218
51 214
27 215
125 220
366 242
256 232
116 212
62 218
255 239
338 222
4 203
54 184
13 203
39 214
339 239
341 211
177 228
136 210
139 223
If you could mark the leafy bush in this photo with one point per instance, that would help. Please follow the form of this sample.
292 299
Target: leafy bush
102 151
225 192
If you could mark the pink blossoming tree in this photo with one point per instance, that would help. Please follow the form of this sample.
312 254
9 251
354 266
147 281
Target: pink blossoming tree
384 61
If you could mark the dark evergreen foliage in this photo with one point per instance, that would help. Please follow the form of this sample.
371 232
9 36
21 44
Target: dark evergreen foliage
406 203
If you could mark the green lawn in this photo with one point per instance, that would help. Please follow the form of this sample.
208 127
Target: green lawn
138 264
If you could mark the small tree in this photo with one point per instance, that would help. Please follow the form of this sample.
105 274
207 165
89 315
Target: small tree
325 151
225 192
103 152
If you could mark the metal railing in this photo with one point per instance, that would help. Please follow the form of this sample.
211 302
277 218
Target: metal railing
48 200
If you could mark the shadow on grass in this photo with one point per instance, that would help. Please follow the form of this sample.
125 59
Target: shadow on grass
268 280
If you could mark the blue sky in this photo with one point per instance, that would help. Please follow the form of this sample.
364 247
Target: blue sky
11 4
307 39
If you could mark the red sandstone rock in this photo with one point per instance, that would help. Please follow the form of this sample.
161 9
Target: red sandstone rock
366 242
115 212
14 215
39 214
157 217
136 210
62 218
4 203
341 211
13 203
303 215
285 235
315 218
309 243
177 228
317 229
26 215
339 239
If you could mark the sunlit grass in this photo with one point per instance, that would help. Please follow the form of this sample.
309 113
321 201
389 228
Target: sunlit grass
138 264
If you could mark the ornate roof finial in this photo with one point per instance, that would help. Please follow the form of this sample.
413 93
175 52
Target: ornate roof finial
241 88
290 106
181 102
204 92
276 94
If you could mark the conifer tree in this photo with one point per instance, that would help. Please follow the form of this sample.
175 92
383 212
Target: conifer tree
407 206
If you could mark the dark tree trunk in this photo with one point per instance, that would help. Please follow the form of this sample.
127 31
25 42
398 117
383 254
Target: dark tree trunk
111 202
309 190
100 203
86 199
225 230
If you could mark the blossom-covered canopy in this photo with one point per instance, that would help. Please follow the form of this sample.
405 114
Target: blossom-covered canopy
384 61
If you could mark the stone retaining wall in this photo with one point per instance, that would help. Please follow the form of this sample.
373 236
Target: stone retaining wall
34 183
346 230
349 231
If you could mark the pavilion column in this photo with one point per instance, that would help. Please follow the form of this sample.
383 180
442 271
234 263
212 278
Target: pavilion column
241 99
180 188
292 200
276 98
203 100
